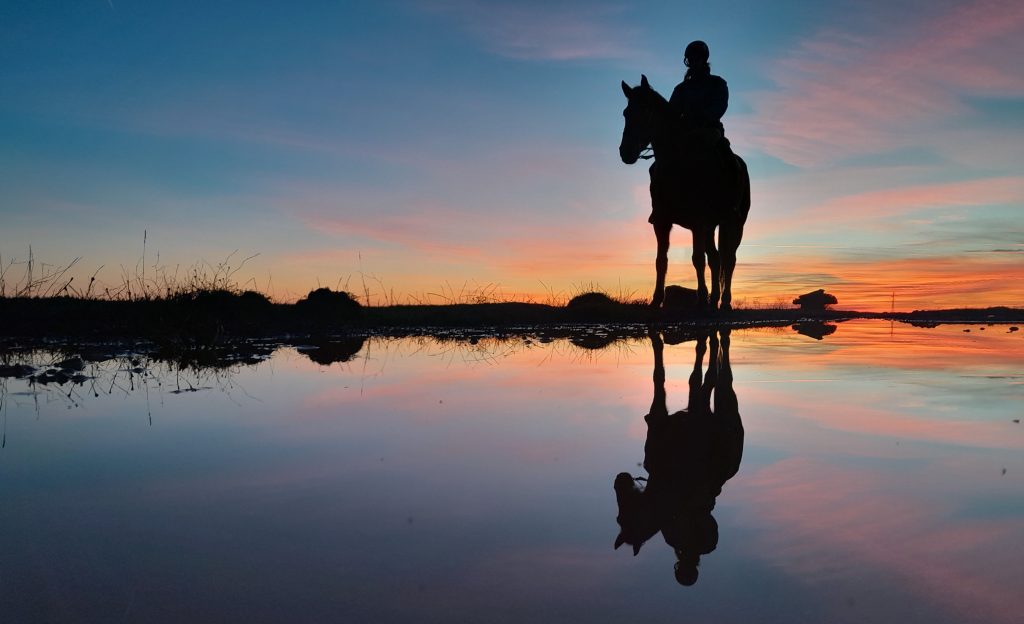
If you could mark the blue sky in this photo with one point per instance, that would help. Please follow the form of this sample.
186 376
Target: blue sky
453 142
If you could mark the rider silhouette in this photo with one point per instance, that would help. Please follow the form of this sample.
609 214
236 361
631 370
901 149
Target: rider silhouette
701 98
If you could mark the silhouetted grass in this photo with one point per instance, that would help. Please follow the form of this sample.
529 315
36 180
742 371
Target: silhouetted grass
204 305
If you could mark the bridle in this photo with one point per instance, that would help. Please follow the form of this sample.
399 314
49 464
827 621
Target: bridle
647 152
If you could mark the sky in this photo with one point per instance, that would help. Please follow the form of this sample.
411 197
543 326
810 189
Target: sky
432 150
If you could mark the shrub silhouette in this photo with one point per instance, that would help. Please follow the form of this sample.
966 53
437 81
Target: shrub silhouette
591 300
816 300
326 305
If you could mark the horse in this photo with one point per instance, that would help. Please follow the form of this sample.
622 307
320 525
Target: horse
690 187
689 456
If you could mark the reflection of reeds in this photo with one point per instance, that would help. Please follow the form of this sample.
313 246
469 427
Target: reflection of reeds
122 374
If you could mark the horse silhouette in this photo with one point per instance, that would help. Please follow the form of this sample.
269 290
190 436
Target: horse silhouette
691 186
688 455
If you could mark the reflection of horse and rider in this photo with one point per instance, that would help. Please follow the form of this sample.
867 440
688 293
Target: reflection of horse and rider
696 180
688 456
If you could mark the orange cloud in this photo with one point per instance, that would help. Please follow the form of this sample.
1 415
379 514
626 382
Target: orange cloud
872 205
977 280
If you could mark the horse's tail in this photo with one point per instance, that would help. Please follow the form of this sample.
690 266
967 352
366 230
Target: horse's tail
743 181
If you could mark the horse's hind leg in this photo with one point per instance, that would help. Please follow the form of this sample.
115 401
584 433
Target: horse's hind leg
714 262
730 233
661 263
729 238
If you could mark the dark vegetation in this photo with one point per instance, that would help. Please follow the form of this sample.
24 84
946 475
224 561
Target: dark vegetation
203 315
207 316
210 332
204 306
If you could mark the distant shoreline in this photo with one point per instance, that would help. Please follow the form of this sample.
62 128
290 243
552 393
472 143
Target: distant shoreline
232 316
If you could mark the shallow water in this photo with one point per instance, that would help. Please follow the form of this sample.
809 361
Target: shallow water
881 480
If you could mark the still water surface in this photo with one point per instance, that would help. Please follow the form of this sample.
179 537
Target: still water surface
875 475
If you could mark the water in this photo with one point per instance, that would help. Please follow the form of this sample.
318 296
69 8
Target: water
881 480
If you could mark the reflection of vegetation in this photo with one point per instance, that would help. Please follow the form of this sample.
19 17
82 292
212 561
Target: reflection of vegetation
330 351
814 329
593 341
71 376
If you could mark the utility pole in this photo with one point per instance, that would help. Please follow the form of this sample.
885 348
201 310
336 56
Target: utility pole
892 314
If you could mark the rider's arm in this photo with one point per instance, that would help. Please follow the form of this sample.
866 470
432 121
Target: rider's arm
718 100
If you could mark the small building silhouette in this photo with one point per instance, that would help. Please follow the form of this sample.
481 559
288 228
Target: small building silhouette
815 301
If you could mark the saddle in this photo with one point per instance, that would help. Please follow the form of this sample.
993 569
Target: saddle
708 159
705 178
711 148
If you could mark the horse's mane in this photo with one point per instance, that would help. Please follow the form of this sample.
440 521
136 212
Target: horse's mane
652 96
651 93
655 100
659 105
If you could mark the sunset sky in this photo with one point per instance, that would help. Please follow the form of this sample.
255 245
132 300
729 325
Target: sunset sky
429 146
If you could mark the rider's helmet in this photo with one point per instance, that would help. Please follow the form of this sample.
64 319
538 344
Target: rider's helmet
696 54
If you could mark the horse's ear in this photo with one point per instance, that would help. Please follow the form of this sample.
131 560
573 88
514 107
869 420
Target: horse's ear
643 82
619 541
626 90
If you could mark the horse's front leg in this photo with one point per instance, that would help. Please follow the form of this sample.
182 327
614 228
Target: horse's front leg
715 264
661 263
699 239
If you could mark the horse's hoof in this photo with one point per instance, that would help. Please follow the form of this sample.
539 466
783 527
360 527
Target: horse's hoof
726 306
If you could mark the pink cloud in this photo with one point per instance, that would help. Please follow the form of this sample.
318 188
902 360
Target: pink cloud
545 32
513 248
895 201
840 95
870 206
880 421
821 518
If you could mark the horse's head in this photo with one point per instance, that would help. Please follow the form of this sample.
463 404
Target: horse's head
636 518
639 113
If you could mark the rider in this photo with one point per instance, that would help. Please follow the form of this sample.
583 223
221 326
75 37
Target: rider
701 99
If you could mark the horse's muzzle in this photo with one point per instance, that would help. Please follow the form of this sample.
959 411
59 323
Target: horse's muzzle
627 156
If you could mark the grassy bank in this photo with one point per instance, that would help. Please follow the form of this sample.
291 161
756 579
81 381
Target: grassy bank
211 315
